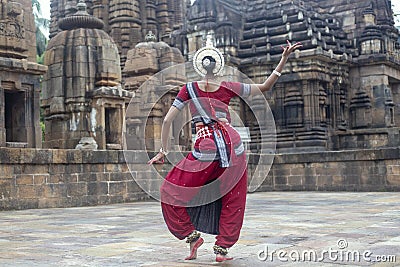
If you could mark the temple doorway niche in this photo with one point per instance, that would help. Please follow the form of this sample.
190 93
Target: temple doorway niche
394 84
15 114
113 127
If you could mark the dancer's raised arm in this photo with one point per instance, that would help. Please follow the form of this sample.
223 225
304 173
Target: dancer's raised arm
271 80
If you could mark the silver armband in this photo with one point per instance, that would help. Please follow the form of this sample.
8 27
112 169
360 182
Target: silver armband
277 73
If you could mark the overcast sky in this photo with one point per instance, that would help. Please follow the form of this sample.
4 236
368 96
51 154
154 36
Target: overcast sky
45 5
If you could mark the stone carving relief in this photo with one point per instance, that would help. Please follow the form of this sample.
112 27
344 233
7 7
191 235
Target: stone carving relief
11 25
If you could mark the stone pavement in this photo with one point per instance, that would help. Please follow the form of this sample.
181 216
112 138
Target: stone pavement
294 228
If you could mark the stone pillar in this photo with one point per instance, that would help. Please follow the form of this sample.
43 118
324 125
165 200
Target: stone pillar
125 24
101 10
151 17
309 101
163 17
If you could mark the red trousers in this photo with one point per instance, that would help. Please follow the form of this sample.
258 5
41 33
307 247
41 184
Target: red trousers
193 174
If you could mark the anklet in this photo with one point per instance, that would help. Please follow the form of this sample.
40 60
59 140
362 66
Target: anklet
192 237
220 250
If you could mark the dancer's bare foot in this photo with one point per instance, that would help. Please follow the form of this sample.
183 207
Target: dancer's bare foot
193 248
220 253
222 258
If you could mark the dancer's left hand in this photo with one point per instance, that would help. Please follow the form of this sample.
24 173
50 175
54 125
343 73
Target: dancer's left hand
287 50
158 159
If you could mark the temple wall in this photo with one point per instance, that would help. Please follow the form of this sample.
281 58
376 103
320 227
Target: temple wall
355 170
49 178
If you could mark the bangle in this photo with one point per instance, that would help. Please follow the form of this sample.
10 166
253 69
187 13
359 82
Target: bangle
277 73
164 152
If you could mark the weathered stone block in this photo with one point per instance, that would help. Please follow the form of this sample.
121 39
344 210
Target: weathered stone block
77 189
113 156
77 201
53 202
40 179
98 188
57 178
88 168
124 168
24 179
297 169
73 168
25 191
280 180
7 188
6 171
56 169
27 155
26 203
394 169
103 199
132 186
86 177
337 180
112 168
117 188
350 179
54 190
10 155
42 156
34 169
74 156
390 153
310 180
94 156
295 180
119 176
393 179
103 177
59 156
281 171
324 180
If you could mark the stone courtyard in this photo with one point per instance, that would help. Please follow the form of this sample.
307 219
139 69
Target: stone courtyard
288 224
107 82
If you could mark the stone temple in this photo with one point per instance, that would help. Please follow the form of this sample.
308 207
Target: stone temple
339 92
336 106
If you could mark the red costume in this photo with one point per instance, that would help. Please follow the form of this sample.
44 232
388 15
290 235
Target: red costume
206 191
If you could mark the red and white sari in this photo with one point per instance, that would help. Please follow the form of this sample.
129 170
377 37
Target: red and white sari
213 175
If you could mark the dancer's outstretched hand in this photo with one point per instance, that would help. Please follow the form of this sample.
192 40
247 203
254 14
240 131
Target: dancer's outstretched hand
287 50
158 159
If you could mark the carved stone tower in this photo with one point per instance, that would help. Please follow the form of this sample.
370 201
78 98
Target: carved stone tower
82 96
19 76
152 101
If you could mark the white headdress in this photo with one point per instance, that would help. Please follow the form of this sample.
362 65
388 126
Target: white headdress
213 52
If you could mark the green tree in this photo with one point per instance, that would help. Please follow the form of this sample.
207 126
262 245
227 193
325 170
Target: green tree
42 25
